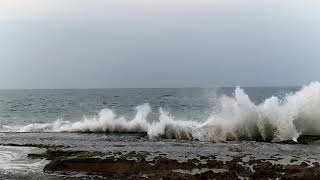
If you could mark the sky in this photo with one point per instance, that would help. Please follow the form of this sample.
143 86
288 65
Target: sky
158 43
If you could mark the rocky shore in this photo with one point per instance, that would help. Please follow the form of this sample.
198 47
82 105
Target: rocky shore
132 156
142 165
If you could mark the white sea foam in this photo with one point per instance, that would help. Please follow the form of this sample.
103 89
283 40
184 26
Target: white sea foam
15 160
235 118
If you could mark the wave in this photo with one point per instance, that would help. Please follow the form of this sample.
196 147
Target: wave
235 118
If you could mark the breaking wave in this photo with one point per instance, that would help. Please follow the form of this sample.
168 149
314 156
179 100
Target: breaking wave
235 118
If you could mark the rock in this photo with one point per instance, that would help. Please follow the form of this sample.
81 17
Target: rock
138 165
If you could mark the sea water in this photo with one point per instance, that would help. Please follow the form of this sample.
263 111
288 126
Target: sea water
170 119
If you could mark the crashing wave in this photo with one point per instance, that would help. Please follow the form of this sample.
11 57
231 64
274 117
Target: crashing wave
235 118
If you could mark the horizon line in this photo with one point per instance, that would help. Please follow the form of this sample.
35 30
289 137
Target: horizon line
186 87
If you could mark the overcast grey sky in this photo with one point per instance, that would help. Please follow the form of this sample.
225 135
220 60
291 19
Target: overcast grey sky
158 43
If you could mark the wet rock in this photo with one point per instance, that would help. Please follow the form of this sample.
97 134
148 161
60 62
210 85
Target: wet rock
139 165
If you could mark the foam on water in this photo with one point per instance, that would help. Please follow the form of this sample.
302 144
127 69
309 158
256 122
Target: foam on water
234 118
15 160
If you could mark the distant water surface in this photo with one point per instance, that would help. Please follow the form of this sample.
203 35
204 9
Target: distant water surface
21 107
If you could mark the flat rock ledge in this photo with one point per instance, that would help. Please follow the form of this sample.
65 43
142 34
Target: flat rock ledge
146 165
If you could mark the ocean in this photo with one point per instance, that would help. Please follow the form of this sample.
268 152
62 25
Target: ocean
200 120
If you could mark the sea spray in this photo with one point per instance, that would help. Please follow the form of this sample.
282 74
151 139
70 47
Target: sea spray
235 118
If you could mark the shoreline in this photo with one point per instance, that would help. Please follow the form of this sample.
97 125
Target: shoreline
132 156
137 165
